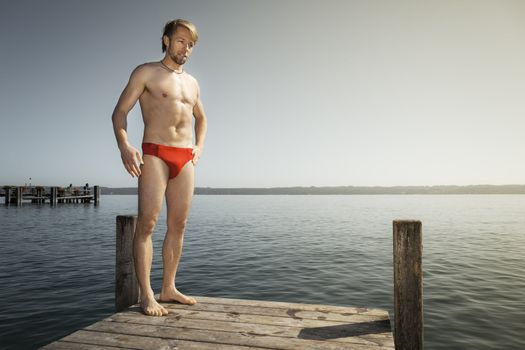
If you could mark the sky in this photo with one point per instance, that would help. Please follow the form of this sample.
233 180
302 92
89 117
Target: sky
297 93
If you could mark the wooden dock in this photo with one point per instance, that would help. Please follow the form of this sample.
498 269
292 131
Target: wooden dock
220 323
238 324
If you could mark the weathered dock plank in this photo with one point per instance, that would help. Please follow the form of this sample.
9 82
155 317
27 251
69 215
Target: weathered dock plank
96 339
338 332
65 345
222 323
280 304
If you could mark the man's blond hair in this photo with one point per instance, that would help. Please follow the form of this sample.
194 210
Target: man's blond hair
172 26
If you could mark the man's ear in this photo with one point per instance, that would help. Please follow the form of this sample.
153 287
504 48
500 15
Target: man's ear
166 41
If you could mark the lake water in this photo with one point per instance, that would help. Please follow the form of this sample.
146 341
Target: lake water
57 264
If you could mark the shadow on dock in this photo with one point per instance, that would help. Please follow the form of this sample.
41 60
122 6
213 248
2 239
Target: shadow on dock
345 330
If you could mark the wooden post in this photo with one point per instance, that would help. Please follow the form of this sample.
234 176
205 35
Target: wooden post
126 285
408 285
54 193
96 194
18 196
7 191
39 195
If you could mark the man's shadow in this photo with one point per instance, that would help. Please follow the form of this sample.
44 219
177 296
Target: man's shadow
345 330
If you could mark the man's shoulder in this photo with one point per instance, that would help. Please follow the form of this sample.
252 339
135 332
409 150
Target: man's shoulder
147 67
145 71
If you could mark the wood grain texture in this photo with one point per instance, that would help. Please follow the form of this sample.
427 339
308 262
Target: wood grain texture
408 284
126 285
221 323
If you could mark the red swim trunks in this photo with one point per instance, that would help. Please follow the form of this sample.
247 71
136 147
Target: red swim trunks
174 157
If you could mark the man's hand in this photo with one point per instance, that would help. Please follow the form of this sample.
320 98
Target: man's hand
131 159
196 154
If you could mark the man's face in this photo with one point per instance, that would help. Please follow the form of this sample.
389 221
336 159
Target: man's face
180 45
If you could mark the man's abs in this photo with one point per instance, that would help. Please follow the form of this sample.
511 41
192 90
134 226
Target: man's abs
174 136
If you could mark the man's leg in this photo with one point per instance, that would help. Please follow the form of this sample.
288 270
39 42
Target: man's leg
152 186
179 194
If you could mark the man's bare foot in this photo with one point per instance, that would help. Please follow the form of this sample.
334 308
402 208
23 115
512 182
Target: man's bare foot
172 294
150 307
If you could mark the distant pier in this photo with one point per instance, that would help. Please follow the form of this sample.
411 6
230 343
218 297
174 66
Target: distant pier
18 195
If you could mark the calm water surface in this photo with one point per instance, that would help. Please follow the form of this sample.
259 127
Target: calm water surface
57 264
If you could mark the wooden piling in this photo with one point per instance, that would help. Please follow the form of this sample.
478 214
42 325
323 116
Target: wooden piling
96 194
39 193
408 285
54 194
126 284
18 196
7 191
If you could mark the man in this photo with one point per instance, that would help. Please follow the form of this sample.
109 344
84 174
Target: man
168 97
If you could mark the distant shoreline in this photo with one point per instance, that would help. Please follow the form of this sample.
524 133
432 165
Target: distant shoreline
343 190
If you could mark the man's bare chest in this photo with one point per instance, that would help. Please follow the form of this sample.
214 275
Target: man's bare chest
172 89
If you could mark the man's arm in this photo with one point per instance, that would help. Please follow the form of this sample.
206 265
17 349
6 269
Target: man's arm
201 127
135 87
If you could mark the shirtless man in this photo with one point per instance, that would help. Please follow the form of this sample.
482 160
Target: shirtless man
168 97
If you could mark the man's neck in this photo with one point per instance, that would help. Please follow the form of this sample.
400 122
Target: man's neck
171 65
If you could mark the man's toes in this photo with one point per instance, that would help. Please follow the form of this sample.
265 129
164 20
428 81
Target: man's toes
164 311
152 311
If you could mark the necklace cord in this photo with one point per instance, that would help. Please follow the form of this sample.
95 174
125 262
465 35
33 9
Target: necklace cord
171 69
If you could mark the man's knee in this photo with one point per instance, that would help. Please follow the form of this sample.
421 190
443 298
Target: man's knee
177 225
146 224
